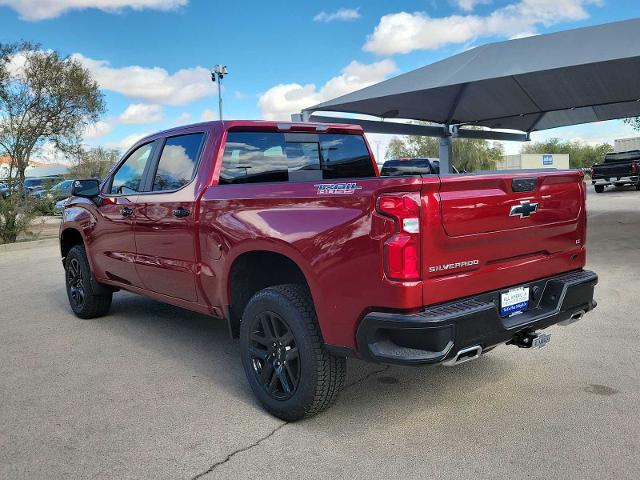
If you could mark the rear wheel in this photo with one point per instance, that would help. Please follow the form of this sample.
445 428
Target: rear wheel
598 188
284 358
85 301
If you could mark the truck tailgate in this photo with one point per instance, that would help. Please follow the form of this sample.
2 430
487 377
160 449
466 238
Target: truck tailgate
612 169
497 230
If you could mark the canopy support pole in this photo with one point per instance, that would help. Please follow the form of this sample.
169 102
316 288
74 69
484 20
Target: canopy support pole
446 153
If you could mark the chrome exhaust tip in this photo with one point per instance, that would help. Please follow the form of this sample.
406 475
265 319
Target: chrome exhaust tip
464 355
573 318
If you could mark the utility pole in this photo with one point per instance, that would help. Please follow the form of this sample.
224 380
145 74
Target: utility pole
217 74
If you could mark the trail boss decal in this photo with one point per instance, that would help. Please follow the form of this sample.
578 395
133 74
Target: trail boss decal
453 266
337 188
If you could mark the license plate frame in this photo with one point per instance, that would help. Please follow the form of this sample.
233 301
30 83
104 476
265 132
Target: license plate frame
541 340
514 301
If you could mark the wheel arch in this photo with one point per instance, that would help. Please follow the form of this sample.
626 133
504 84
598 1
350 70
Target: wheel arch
255 269
69 238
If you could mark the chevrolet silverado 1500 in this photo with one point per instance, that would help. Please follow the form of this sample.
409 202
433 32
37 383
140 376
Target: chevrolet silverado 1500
287 232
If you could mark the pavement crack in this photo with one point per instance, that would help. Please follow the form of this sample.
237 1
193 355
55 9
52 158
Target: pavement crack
367 376
270 434
240 450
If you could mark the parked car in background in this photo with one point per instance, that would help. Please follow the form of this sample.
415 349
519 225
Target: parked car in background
37 192
60 190
619 168
411 167
286 232
34 183
4 190
59 206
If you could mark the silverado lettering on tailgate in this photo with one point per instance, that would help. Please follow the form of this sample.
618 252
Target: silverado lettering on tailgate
453 266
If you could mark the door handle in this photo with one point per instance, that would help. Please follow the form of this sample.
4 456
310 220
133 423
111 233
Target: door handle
126 211
181 212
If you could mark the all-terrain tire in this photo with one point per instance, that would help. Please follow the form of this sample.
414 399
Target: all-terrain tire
598 188
86 297
279 325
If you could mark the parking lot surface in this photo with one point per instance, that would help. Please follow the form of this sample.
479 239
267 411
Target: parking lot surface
153 391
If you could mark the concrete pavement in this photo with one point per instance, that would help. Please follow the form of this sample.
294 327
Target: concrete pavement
153 391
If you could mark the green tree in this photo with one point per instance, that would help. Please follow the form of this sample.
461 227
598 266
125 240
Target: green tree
634 122
94 162
45 98
468 154
581 154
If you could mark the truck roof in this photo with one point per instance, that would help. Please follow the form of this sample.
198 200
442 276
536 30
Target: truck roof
267 125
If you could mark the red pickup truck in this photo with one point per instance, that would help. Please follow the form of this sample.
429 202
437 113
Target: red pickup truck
287 232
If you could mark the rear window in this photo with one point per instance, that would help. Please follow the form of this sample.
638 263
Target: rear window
408 167
252 157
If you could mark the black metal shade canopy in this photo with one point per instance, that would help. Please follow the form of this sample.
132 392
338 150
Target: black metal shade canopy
536 83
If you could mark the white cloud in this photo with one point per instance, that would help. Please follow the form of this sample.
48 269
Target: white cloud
404 32
183 118
43 9
129 140
208 115
280 101
97 130
342 14
470 5
153 85
139 113
238 95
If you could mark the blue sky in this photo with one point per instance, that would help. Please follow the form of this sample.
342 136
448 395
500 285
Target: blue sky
151 56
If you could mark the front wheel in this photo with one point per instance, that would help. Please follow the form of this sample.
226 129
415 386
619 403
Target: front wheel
84 300
598 188
284 358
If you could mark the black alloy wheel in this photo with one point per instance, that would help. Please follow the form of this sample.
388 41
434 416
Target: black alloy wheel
274 355
87 297
76 283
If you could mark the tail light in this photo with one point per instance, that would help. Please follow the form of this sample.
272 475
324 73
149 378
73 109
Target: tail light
402 249
634 168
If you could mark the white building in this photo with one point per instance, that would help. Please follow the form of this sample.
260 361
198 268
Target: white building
533 160
626 144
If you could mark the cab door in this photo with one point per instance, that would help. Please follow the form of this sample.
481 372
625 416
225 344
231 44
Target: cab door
165 220
114 247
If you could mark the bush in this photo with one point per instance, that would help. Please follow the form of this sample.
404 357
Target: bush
43 206
16 213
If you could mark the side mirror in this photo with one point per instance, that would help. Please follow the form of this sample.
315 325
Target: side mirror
88 188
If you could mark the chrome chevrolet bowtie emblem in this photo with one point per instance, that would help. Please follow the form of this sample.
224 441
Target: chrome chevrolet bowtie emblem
525 209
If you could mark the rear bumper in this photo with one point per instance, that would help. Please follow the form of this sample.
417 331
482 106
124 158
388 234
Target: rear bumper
607 180
437 333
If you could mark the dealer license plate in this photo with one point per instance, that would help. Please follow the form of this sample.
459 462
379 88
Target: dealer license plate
514 301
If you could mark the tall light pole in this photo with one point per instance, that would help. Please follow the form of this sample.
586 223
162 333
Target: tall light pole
217 74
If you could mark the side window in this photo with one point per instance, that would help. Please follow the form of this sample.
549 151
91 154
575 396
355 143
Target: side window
128 177
178 162
251 157
345 156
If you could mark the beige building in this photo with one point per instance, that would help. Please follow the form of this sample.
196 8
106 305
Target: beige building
524 161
